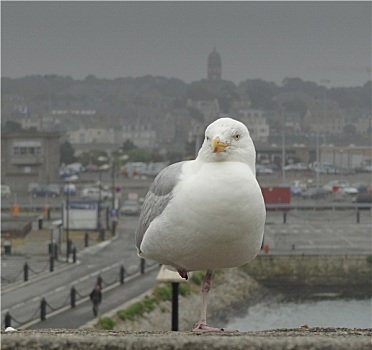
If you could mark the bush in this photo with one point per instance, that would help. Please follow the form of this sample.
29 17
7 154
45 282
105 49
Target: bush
106 323
184 289
197 277
149 304
163 293
131 311
369 259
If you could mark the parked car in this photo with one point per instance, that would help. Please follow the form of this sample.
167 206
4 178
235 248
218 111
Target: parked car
45 191
130 207
335 185
315 193
54 188
96 194
296 167
295 190
31 186
326 169
261 169
5 191
69 189
349 190
361 186
365 197
297 187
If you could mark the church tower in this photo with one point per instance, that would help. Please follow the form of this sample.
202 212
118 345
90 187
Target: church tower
214 65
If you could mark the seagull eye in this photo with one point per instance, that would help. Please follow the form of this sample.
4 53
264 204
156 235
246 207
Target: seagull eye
207 138
237 137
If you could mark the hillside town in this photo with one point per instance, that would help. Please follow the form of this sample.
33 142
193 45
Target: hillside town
166 118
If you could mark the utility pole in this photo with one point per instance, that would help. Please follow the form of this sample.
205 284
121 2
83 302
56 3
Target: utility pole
68 222
325 81
113 183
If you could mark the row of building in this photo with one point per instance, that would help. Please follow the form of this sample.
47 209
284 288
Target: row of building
83 130
34 157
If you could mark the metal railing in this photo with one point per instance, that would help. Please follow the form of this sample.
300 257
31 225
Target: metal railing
74 296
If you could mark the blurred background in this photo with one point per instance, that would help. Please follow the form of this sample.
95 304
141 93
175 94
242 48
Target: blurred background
98 97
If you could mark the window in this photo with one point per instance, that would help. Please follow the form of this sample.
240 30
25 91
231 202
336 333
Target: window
26 151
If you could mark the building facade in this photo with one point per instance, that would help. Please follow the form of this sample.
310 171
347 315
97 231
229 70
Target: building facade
256 123
29 157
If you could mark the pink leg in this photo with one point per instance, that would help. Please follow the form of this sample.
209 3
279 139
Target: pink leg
201 325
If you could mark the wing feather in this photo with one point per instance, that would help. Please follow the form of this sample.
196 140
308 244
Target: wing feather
157 198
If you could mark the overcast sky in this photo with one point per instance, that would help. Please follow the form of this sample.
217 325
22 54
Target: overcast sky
265 40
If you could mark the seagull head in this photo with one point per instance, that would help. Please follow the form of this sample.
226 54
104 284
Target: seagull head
227 139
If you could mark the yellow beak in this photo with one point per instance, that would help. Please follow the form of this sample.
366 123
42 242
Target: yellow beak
217 145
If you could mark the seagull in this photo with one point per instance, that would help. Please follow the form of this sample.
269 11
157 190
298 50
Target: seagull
207 213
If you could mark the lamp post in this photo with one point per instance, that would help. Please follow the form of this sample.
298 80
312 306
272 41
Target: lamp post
283 118
99 205
167 276
113 186
67 221
317 153
325 81
283 154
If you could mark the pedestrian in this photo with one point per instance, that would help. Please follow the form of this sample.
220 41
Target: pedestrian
96 298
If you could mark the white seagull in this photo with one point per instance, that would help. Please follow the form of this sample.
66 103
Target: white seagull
207 213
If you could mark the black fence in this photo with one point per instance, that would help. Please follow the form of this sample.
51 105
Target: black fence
75 295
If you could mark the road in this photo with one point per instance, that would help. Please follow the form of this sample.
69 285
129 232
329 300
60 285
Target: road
104 259
73 318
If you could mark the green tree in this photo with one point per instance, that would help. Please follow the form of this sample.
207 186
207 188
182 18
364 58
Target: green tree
11 126
349 129
128 145
67 153
138 155
91 157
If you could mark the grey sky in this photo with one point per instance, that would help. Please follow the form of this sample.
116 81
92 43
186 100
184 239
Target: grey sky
265 40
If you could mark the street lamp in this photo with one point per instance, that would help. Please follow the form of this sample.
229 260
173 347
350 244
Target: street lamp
67 221
283 119
325 81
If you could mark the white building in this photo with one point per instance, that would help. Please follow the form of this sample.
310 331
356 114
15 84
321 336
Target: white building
142 135
92 136
209 108
256 123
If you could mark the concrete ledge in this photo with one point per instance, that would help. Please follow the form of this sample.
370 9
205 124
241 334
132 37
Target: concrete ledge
283 339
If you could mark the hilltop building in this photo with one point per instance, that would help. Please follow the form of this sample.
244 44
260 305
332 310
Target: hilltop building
214 65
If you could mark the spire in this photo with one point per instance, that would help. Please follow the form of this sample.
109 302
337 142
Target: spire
214 65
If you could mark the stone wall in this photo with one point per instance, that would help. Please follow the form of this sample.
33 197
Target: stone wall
337 272
283 339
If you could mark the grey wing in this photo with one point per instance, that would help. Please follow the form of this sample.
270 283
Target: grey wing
158 197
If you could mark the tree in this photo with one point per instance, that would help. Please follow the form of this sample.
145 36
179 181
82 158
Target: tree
197 93
67 153
11 126
350 129
138 155
128 145
196 114
260 93
91 157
